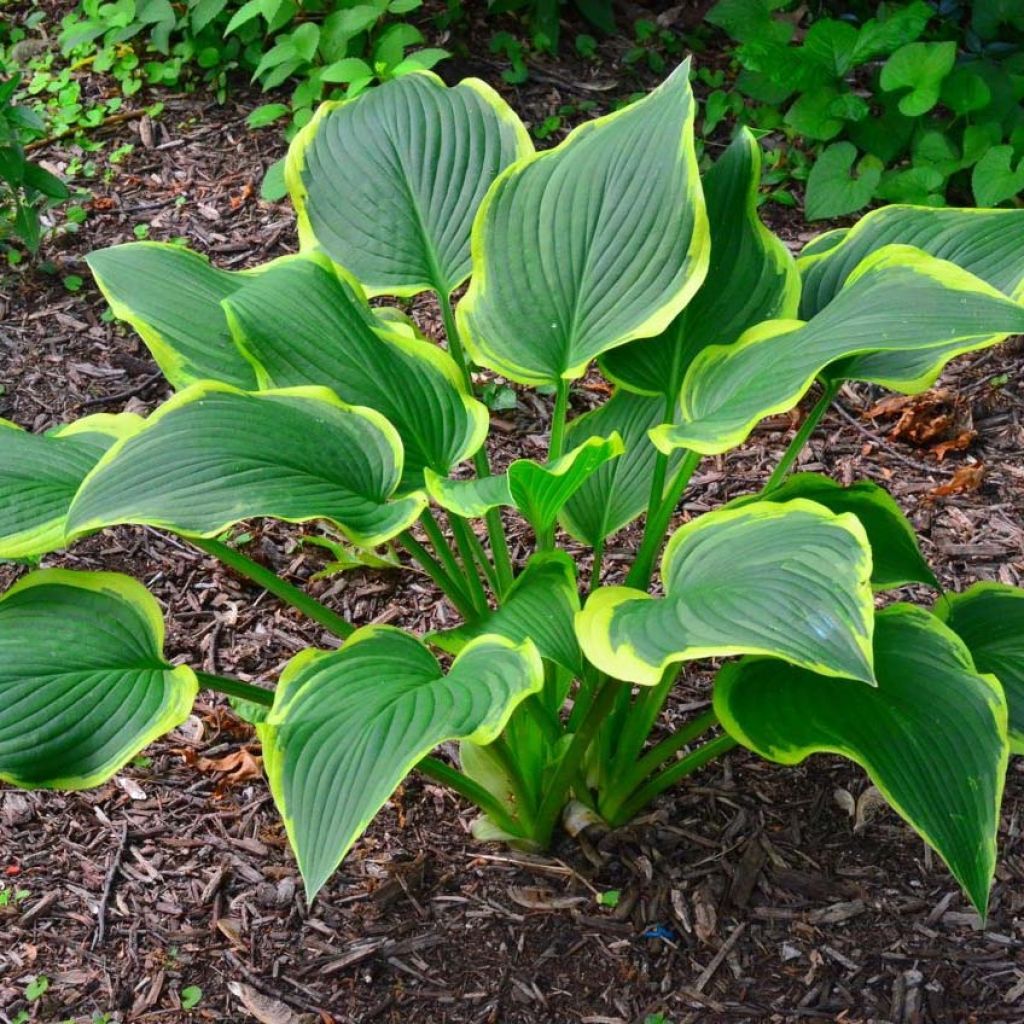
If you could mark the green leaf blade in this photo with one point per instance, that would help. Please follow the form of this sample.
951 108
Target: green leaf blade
932 734
896 559
589 245
618 491
213 456
989 618
421 157
171 296
789 579
348 726
986 243
302 324
751 277
539 606
40 475
900 300
74 711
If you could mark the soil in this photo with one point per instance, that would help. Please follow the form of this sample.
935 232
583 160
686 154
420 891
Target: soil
750 894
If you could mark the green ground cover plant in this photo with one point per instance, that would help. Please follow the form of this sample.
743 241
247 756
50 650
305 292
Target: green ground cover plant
899 102
299 401
316 49
27 189
543 17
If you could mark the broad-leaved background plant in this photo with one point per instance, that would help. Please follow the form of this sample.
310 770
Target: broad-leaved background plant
299 401
906 102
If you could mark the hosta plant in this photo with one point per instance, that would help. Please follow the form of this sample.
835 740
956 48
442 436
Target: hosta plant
298 400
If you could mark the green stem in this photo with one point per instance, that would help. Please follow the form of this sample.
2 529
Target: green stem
796 446
595 568
472 791
670 776
495 530
557 442
656 525
568 767
436 572
236 688
549 724
640 719
476 588
657 494
481 558
436 536
273 583
631 778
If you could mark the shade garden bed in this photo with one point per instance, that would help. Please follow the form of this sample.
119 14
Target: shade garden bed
749 893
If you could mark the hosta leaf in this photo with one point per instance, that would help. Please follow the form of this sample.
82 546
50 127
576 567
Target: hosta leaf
899 299
213 455
538 491
987 243
932 734
617 492
172 297
302 324
989 618
469 498
789 580
896 559
539 606
40 473
346 727
751 277
84 685
591 244
388 184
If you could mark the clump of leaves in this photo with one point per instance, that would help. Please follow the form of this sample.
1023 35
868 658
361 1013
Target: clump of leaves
904 105
298 400
27 190
543 17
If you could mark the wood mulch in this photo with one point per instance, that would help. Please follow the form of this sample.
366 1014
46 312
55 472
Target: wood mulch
753 893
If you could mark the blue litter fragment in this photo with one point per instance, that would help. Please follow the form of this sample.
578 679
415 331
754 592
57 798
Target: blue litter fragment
659 931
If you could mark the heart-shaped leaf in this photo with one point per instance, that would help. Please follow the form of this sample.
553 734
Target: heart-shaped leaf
388 184
989 618
591 244
84 685
347 726
986 243
932 734
540 606
833 190
919 67
791 580
994 179
214 455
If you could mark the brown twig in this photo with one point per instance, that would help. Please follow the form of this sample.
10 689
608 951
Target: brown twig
108 888
122 396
